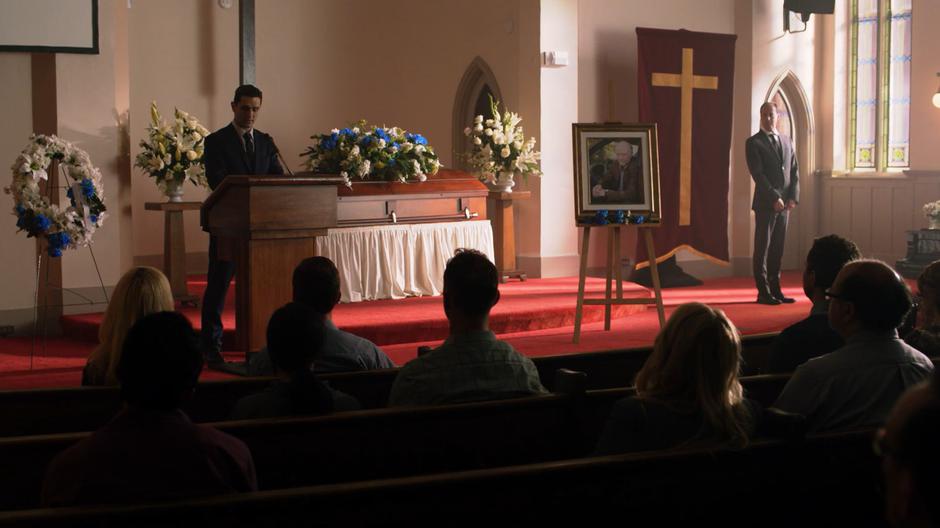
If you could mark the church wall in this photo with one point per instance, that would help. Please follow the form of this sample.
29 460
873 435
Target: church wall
554 192
607 83
19 268
92 113
925 65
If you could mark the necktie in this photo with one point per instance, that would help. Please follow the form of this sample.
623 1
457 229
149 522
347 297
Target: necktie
249 149
775 141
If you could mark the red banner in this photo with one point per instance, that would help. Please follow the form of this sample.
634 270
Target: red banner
686 82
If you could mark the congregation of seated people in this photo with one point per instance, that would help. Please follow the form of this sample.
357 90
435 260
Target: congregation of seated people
850 370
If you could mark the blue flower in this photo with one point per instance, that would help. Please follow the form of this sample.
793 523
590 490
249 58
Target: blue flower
20 210
365 141
21 222
93 218
382 134
88 188
418 139
70 194
41 223
600 218
59 240
328 142
55 252
620 217
639 219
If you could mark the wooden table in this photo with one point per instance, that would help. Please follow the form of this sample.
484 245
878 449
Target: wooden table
174 246
499 206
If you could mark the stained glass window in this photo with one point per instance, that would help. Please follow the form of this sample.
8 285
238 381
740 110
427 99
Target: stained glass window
899 85
880 83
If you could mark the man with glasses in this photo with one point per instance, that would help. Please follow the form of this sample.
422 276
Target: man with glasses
910 458
856 385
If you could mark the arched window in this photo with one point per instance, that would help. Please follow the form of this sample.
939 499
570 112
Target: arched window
879 90
473 98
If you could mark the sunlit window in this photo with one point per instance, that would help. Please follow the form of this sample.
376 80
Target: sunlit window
879 91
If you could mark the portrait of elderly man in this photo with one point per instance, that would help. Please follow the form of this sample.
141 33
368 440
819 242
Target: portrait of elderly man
618 180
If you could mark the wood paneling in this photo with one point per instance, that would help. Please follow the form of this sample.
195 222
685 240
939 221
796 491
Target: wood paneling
876 211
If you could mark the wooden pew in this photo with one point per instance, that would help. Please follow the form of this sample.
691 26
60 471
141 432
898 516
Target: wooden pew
48 411
377 443
828 477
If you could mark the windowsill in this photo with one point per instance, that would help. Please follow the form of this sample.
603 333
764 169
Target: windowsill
890 174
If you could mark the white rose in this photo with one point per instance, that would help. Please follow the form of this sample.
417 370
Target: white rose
505 152
477 141
489 122
405 147
334 131
419 149
478 128
197 136
354 151
478 119
422 177
489 132
355 130
191 155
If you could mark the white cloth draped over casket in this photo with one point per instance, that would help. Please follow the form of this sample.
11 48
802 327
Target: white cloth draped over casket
393 240
402 260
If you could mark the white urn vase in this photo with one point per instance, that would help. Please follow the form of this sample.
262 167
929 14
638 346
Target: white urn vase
503 181
174 191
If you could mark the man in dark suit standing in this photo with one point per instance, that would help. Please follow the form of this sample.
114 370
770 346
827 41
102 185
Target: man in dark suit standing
773 166
235 149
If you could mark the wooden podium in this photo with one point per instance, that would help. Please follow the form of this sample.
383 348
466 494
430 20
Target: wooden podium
266 225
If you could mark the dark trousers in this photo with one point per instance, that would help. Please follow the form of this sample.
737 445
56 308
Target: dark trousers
770 233
213 301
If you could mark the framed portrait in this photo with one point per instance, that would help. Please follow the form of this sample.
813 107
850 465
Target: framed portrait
616 168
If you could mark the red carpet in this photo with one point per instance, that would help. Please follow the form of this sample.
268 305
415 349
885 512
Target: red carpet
536 316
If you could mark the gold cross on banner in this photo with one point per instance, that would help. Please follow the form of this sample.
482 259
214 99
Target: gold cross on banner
686 81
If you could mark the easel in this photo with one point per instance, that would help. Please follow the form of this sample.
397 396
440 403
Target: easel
614 271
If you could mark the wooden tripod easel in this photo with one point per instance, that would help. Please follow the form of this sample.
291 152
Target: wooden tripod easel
614 271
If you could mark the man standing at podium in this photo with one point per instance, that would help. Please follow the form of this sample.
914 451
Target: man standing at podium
236 149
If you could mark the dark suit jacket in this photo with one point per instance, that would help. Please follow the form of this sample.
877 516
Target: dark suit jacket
802 341
773 177
225 155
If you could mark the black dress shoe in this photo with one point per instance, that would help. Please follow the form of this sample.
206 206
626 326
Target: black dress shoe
768 300
783 299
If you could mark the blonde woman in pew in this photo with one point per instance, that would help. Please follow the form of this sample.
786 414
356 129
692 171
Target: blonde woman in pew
687 393
141 291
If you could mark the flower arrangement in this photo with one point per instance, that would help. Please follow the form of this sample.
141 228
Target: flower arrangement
173 153
499 145
66 228
932 212
372 153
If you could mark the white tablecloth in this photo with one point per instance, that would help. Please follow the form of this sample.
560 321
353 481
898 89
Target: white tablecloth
397 261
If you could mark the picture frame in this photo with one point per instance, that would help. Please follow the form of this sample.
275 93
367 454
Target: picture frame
616 168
